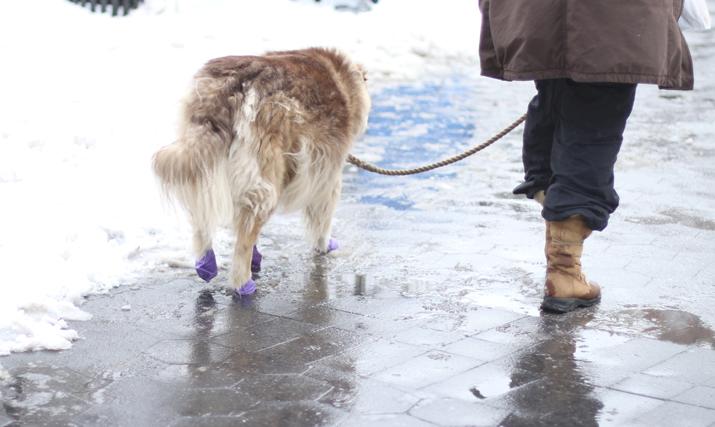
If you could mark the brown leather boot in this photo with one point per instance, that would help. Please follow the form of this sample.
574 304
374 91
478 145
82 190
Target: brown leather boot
566 287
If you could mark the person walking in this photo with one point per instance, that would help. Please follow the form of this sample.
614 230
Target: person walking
586 58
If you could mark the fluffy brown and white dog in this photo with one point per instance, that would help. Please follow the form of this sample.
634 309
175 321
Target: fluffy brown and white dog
258 134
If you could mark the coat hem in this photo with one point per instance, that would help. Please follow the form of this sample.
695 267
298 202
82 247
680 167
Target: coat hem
663 82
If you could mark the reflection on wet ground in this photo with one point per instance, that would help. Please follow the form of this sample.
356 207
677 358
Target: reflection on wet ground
676 326
428 315
325 349
675 216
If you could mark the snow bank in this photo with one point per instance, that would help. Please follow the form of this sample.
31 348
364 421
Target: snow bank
88 98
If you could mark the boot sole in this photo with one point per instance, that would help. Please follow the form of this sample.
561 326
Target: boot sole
565 305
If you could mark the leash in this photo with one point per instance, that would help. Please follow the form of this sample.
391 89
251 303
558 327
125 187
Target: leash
401 172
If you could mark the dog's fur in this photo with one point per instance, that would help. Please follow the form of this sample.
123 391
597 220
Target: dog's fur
259 133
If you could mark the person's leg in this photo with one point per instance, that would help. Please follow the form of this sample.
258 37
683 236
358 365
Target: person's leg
590 120
538 138
589 131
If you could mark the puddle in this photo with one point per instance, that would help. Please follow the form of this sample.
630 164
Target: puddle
676 326
676 216
689 220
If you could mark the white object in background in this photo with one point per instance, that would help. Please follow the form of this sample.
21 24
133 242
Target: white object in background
696 15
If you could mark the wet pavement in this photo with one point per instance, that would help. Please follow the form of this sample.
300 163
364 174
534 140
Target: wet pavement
428 315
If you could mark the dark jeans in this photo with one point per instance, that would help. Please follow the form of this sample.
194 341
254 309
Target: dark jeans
572 137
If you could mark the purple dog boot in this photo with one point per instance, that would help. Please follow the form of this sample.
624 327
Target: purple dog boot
333 245
248 288
256 260
206 266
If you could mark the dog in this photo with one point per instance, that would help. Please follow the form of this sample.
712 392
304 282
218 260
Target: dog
259 134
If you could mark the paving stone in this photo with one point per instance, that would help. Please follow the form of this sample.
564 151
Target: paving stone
101 350
474 321
430 338
38 378
314 346
267 334
700 396
340 374
240 316
675 414
559 355
648 385
549 401
486 383
281 292
480 349
231 321
278 303
213 402
42 407
384 420
150 403
188 352
615 362
283 388
35 394
385 328
293 356
346 372
177 308
377 355
375 397
215 375
694 365
618 409
521 332
390 308
458 413
426 369
300 413
97 350
245 363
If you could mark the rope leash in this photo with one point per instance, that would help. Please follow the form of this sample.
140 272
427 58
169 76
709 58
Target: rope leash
400 172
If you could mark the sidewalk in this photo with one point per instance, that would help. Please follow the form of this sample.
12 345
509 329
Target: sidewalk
327 351
428 315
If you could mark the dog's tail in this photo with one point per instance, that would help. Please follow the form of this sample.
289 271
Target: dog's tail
192 171
186 162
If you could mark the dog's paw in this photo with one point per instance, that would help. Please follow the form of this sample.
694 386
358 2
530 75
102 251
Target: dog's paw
256 260
206 267
333 245
248 288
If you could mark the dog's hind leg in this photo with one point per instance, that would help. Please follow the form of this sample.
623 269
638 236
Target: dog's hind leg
255 197
206 266
319 216
248 226
203 237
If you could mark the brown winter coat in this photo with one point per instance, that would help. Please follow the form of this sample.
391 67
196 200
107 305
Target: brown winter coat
621 41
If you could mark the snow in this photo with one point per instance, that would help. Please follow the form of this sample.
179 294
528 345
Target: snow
88 98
